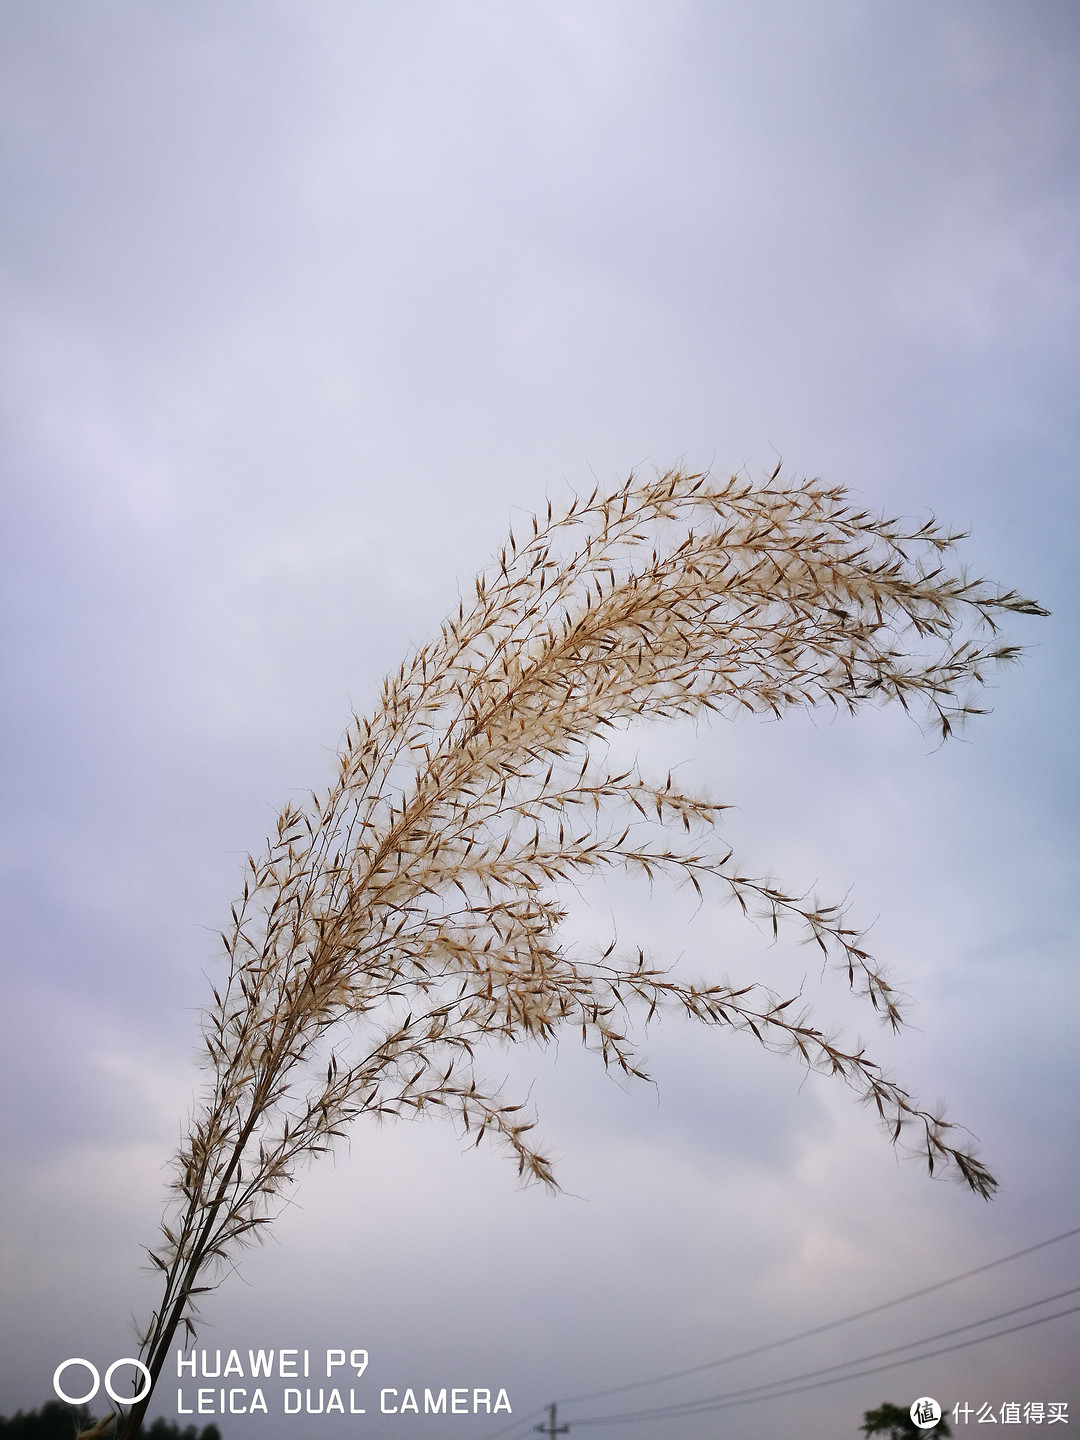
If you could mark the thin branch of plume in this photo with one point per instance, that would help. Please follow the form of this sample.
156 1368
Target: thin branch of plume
410 914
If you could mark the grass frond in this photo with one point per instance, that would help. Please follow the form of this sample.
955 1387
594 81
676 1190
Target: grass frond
410 915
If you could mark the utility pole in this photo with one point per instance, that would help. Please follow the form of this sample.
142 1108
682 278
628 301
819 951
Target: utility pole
551 1429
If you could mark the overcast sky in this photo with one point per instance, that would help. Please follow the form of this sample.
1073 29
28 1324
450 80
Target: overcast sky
303 304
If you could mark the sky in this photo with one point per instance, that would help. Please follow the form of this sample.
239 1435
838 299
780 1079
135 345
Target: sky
304 305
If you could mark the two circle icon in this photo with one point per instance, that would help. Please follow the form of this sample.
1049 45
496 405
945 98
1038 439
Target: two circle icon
96 1384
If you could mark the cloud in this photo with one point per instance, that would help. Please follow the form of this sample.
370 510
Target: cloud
304 305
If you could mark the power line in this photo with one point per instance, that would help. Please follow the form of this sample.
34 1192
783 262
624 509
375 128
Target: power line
837 1379
749 1394
734 1398
521 1426
819 1329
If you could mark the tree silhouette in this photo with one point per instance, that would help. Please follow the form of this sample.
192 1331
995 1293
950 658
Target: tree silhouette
895 1423
54 1421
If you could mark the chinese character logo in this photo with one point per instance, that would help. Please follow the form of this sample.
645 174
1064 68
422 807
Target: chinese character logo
926 1412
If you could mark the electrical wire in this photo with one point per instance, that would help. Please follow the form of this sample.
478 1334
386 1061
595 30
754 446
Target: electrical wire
819 1329
749 1394
839 1379
515 1430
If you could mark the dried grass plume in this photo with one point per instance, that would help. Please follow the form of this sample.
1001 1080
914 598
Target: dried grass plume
411 914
